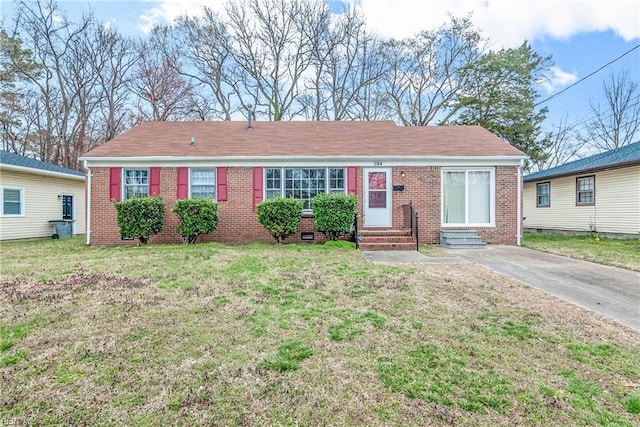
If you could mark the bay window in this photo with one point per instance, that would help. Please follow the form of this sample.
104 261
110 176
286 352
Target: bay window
468 197
303 183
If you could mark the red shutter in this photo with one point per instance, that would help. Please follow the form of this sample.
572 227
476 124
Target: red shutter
257 187
115 175
154 182
183 183
352 180
221 179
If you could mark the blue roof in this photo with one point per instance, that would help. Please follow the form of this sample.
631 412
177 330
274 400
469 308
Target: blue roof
7 158
630 153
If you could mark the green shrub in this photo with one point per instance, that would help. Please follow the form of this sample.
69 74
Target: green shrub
333 214
197 216
140 218
280 217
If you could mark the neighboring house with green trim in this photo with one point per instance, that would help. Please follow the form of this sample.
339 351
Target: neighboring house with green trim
600 193
33 192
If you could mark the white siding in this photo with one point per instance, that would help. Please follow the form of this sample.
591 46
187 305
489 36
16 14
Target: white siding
41 204
617 207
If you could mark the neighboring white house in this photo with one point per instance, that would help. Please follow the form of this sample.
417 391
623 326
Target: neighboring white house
600 193
33 192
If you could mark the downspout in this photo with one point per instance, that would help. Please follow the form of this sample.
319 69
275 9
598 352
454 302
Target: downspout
88 207
519 207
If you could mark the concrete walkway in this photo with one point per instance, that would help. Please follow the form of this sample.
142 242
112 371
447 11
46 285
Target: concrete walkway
613 292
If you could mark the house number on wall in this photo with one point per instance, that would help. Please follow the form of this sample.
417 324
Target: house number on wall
377 163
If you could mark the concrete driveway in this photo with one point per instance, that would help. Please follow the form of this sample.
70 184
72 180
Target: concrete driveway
611 291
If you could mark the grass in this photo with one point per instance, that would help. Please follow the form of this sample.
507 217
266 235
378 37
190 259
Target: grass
262 334
623 253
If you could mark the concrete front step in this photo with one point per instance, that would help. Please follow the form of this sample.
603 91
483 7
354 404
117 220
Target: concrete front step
464 246
458 233
461 239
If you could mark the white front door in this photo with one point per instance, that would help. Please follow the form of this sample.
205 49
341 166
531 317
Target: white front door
377 197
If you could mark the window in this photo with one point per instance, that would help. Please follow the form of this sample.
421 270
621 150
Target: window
304 184
202 183
12 202
586 190
468 197
543 199
136 183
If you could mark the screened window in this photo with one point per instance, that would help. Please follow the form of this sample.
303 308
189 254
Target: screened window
12 202
586 190
543 195
303 183
203 183
468 197
136 183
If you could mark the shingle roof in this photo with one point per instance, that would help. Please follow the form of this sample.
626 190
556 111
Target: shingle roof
627 155
291 139
11 159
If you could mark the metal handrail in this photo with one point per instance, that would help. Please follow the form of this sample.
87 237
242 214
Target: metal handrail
355 230
417 238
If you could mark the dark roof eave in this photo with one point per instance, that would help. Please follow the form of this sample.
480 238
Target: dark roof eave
584 171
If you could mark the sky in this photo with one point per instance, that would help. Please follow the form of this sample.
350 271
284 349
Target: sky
581 36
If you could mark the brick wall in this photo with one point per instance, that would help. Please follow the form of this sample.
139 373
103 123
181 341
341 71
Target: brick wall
238 222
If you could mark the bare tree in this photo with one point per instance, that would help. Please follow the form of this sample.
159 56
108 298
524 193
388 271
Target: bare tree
272 45
346 65
113 62
563 146
428 71
617 122
64 85
162 92
211 64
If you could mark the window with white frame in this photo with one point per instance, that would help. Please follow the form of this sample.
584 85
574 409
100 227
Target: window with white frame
304 183
12 202
202 183
543 199
136 183
586 190
468 197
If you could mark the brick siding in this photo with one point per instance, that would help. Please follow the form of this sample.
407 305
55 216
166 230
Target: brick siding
238 222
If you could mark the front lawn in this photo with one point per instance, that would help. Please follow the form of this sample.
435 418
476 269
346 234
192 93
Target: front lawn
623 253
261 334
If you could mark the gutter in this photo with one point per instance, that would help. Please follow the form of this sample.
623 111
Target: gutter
88 205
519 207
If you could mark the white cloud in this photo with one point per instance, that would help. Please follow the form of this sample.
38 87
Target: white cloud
168 11
557 79
506 22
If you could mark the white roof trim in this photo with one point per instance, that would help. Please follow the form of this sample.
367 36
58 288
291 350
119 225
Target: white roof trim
41 172
239 161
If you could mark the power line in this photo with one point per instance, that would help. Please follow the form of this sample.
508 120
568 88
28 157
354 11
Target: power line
587 76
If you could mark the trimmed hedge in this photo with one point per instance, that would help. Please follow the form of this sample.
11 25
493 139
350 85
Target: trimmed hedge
280 217
333 214
197 216
140 218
